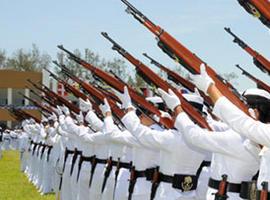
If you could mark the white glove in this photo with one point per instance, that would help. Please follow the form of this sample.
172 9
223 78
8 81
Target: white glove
53 117
203 80
65 110
105 107
85 106
125 99
58 110
170 98
61 119
163 115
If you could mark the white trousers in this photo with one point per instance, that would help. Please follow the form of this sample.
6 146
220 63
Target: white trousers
95 189
83 182
66 182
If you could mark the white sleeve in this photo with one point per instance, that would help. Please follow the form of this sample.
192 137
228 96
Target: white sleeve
94 121
96 138
70 127
148 137
124 137
242 123
109 125
218 126
217 142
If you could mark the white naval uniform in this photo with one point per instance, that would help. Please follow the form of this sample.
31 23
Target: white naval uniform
23 147
118 149
175 156
247 127
66 193
233 155
81 133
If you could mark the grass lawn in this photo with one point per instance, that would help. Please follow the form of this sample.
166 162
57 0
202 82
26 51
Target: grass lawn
14 184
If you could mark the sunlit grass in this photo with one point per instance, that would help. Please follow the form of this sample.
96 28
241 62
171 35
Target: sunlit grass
14 184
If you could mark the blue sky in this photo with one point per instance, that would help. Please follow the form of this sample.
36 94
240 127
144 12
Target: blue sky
77 24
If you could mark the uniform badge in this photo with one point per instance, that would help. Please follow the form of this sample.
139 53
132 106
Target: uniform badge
187 184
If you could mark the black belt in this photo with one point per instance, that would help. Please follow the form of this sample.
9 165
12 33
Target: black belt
75 156
101 161
83 159
42 151
39 146
49 152
34 148
184 182
231 187
67 152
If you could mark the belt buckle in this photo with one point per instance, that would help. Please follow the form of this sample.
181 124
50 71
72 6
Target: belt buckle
252 191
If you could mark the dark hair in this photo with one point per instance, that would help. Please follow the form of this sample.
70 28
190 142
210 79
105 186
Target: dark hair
261 104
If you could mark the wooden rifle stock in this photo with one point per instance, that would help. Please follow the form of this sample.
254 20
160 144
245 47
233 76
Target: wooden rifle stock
97 94
62 100
260 84
77 93
182 55
115 83
264 192
261 62
222 189
50 102
176 78
258 8
149 76
26 115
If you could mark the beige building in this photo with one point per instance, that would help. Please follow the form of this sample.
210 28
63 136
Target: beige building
11 83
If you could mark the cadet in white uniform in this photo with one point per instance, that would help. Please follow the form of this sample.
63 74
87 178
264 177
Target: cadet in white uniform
256 129
173 165
233 155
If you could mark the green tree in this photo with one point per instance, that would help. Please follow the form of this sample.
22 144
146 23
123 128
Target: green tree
32 60
2 59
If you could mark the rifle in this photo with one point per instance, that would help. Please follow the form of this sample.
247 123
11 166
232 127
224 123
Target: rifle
77 93
18 117
260 84
150 77
62 100
49 102
258 8
264 192
137 99
95 93
261 62
222 189
25 115
37 104
182 55
178 79
52 100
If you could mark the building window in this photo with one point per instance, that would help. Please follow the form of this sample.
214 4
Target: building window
17 99
3 97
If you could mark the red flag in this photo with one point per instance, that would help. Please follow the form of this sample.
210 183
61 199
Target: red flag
61 90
